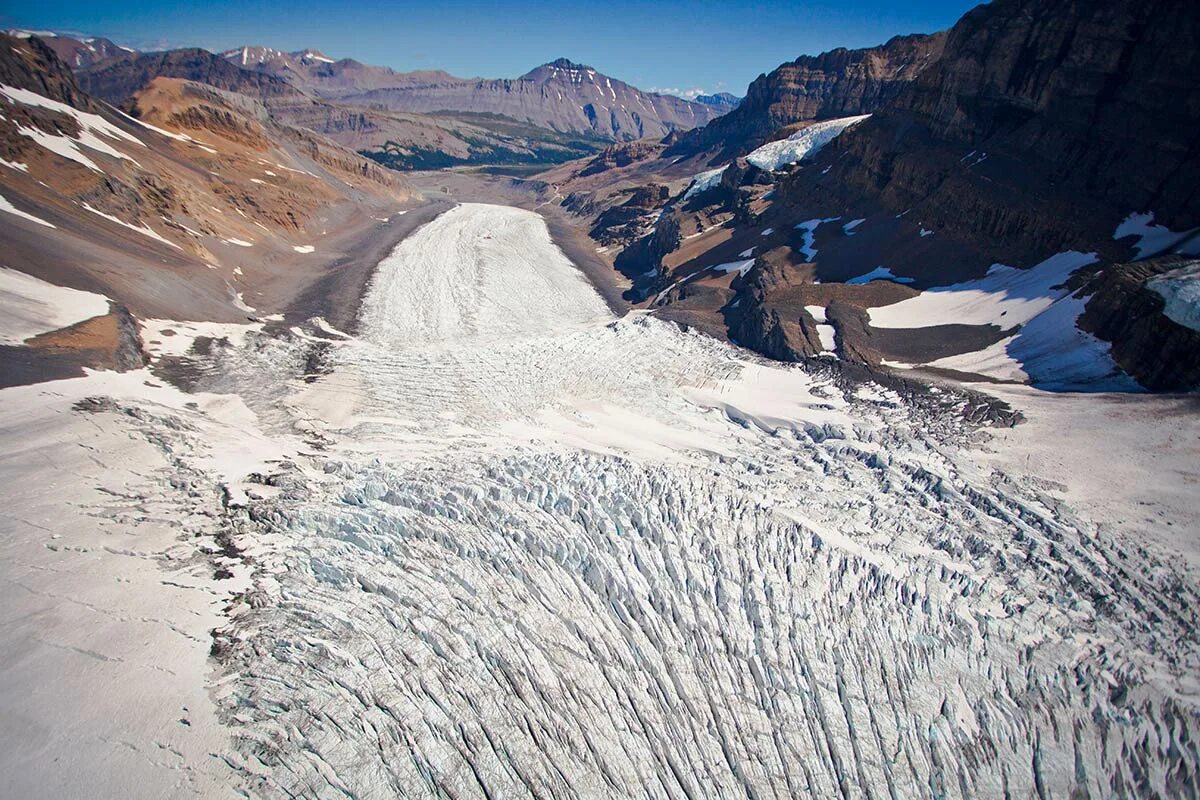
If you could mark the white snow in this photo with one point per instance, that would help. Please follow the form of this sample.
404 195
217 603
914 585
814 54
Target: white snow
801 144
1180 288
143 229
808 229
30 306
172 337
849 227
767 232
92 127
303 248
741 267
817 312
749 251
704 181
826 332
776 155
1005 297
179 137
880 273
62 145
9 208
14 165
1153 239
238 242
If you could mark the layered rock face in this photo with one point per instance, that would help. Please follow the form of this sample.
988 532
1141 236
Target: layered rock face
1042 126
839 83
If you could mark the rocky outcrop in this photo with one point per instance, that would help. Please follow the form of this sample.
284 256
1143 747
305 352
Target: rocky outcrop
762 318
645 255
624 222
1162 354
839 83
616 156
37 68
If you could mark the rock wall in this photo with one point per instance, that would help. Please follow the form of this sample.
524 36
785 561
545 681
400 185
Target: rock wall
839 83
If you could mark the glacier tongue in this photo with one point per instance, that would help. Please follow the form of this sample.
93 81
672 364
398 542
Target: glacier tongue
549 553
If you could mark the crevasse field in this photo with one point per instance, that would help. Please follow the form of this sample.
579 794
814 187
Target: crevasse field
503 544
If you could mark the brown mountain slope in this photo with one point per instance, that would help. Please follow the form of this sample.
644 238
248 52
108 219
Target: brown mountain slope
397 139
201 207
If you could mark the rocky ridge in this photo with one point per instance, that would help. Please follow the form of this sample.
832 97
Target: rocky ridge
837 83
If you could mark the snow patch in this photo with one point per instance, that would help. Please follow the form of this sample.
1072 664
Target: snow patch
879 274
704 181
9 208
808 229
1153 238
30 306
741 267
143 229
1005 297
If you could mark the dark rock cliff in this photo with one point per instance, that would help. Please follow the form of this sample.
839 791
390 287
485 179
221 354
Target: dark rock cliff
839 83
1041 127
1162 354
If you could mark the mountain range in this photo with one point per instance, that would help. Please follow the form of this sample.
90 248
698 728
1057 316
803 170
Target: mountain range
560 95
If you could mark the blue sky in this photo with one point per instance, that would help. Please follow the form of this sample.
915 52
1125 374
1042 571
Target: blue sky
667 45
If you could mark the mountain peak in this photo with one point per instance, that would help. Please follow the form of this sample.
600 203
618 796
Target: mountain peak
310 54
565 63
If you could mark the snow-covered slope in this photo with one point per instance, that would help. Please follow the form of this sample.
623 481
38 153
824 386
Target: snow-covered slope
508 550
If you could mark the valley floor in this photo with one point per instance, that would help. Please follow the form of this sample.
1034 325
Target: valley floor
496 540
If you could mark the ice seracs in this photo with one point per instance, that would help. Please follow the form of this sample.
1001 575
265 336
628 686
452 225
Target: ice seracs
800 145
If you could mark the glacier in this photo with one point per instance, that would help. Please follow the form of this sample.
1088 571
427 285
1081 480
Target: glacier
504 543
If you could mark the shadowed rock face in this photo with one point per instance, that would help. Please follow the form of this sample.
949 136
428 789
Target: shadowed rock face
839 83
1083 110
1147 344
1038 131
